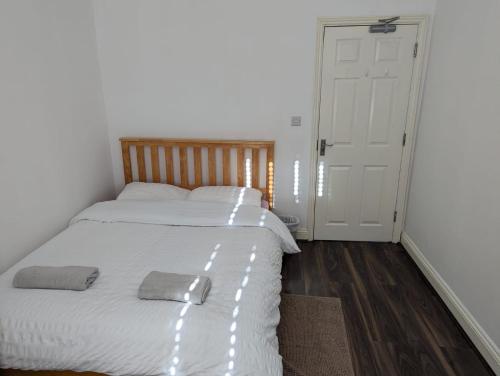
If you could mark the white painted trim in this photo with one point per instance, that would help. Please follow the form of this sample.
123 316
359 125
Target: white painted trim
411 118
302 234
311 200
476 333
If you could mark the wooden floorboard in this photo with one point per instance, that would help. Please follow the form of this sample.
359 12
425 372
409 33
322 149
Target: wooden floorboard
396 323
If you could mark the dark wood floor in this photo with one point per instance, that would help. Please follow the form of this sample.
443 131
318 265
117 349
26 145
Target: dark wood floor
396 323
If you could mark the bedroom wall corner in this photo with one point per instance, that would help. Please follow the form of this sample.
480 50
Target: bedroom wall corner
54 150
474 330
453 207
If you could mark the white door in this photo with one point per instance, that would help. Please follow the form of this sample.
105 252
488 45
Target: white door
365 87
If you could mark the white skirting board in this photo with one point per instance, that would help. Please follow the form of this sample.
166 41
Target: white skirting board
476 333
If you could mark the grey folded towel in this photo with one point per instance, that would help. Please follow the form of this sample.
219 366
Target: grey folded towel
77 278
178 287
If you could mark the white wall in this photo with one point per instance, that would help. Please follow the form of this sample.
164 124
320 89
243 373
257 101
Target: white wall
220 69
454 205
54 152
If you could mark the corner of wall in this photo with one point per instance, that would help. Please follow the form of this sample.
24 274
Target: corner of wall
488 349
113 187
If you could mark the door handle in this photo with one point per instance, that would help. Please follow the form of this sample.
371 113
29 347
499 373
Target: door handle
323 146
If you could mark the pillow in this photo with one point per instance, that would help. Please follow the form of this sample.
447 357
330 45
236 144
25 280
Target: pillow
229 195
152 192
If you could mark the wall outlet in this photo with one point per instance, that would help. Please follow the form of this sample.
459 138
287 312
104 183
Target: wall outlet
296 121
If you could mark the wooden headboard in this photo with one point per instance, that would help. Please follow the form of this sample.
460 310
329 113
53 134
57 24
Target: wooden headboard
192 163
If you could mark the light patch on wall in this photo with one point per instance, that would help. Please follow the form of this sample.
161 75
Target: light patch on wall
321 172
296 180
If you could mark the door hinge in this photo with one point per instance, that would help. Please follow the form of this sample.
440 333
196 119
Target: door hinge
415 50
404 139
316 145
395 215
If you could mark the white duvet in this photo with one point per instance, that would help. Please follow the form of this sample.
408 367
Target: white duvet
108 329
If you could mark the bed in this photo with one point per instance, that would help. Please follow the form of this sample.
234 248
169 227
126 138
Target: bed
107 329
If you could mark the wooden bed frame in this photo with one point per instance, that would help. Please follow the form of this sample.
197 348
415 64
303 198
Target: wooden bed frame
178 155
241 162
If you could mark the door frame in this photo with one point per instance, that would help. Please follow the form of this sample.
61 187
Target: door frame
412 116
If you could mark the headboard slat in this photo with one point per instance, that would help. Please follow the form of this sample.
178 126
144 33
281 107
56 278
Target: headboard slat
127 164
212 167
244 171
226 166
169 165
155 164
241 166
255 167
184 167
141 163
197 166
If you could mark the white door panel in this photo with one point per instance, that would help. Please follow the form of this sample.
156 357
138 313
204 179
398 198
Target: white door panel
365 86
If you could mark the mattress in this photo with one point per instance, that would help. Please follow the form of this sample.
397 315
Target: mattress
107 329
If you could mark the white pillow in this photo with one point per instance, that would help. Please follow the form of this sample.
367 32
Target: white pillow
152 192
229 195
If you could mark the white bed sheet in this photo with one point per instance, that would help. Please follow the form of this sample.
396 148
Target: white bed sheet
108 329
